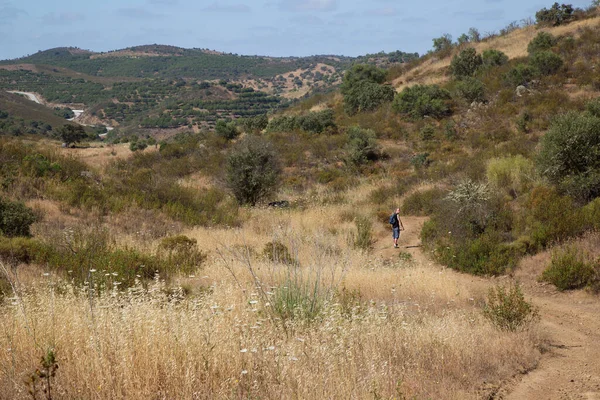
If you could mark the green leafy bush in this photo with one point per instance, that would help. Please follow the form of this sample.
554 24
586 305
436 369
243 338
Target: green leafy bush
521 74
470 90
570 269
226 130
423 100
507 308
314 122
546 62
465 63
543 41
570 155
15 218
253 170
493 58
549 217
362 146
363 90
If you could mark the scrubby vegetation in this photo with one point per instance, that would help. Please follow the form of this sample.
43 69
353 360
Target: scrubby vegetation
152 245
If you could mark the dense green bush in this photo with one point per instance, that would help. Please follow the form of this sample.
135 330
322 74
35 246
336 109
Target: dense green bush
465 63
423 100
252 170
363 90
521 74
570 155
542 42
493 58
546 62
469 230
549 217
15 218
507 308
226 130
470 90
362 146
313 122
570 269
555 15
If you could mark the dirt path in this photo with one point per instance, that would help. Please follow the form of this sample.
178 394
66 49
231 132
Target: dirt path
570 324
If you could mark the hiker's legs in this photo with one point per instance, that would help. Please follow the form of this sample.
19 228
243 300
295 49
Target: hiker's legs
395 236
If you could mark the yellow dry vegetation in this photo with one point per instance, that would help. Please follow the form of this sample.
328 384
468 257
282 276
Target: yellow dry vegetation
387 326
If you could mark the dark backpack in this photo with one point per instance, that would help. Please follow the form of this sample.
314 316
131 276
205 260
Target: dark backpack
393 219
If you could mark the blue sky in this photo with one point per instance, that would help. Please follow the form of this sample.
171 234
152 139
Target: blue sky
265 27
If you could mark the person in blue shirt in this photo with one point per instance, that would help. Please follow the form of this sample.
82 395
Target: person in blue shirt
396 226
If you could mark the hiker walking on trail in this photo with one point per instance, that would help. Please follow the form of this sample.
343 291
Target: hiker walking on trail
396 226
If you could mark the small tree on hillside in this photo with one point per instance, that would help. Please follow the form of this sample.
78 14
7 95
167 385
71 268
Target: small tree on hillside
465 63
362 146
493 58
442 44
15 218
541 42
555 15
252 170
570 155
363 89
71 134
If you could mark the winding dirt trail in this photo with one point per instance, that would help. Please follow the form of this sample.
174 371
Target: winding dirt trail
570 324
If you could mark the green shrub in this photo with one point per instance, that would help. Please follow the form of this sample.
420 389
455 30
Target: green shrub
363 90
507 308
15 218
470 90
493 58
427 132
423 202
465 63
546 62
570 155
555 15
521 74
252 170
542 42
549 217
423 100
420 160
226 130
593 107
362 146
364 233
570 269
278 252
20 250
314 122
523 122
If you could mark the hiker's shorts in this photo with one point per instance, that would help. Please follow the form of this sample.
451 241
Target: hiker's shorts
396 233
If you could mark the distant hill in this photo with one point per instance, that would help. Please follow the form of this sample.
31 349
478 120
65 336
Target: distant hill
175 62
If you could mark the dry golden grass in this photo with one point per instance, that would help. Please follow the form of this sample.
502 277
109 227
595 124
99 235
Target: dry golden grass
408 329
224 345
100 155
